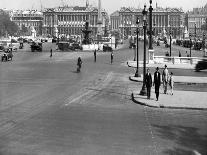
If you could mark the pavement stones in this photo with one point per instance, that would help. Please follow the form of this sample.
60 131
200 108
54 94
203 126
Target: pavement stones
179 99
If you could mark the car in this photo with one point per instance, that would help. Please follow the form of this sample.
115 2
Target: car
12 47
7 56
77 46
2 48
36 47
201 65
106 47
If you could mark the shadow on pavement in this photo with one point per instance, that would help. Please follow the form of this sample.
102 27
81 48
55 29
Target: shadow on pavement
186 137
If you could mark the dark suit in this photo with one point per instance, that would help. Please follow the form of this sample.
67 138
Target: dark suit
157 82
148 83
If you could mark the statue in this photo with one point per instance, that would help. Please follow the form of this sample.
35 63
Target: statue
86 33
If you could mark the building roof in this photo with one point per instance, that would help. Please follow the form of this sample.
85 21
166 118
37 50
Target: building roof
116 13
157 9
73 9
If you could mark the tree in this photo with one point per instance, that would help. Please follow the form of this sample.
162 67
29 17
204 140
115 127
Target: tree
6 25
204 26
24 30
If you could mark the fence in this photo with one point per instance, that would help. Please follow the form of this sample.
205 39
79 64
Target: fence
176 60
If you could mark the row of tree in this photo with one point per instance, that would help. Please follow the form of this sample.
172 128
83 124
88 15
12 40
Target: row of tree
7 27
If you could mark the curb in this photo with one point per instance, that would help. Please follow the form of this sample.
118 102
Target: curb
188 83
167 107
158 64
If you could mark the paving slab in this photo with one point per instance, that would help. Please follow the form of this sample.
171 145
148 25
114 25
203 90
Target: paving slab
177 79
169 65
179 100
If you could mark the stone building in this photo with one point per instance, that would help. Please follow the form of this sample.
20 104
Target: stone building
196 18
70 20
168 19
31 19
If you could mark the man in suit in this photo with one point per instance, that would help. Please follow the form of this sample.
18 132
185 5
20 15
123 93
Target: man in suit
95 55
148 83
165 77
157 82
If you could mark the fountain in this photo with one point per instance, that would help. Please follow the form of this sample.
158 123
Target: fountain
86 32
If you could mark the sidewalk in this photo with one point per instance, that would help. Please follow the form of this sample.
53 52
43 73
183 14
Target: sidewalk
177 79
179 100
169 65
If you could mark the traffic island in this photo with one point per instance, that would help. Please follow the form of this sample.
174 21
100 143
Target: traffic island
179 100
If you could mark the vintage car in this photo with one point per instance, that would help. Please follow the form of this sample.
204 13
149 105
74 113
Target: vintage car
77 46
7 56
201 65
36 47
106 47
2 48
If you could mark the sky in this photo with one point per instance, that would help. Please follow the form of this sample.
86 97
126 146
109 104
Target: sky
109 5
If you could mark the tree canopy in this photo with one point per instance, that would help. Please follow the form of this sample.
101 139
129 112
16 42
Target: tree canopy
6 25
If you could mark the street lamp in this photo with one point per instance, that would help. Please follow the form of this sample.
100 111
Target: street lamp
111 41
190 44
195 31
170 43
203 43
150 25
144 12
137 31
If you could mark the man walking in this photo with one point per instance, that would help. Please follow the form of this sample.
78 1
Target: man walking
165 76
157 82
148 83
95 55
112 57
51 53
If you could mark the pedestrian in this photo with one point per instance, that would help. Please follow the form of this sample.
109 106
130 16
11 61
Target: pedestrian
167 53
148 83
157 82
171 82
112 57
95 55
187 55
51 53
165 76
179 54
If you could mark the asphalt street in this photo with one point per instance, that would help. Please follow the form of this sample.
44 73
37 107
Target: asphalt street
46 107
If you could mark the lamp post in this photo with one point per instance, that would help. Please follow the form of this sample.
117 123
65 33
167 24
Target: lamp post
195 31
190 44
203 44
144 12
150 25
170 43
111 41
137 31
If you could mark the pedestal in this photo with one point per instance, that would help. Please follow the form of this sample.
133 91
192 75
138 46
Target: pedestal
151 55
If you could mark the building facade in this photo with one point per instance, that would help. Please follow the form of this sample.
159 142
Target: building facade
114 21
168 19
196 18
69 20
31 19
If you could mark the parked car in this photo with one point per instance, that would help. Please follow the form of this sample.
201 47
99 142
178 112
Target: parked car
106 47
2 49
201 65
77 46
12 47
7 56
36 47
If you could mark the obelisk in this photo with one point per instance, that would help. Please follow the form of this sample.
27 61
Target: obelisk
99 23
